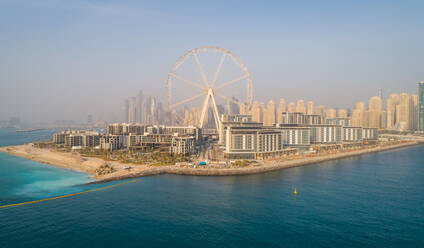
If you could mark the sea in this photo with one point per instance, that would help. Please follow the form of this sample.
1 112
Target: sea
374 200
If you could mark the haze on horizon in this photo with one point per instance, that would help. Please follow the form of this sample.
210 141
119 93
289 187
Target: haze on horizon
63 60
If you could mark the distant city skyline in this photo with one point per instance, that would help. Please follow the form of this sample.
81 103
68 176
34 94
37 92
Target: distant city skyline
65 60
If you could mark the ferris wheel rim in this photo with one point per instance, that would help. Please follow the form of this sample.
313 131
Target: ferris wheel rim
211 49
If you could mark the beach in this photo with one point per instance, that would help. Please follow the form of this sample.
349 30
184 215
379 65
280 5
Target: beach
76 162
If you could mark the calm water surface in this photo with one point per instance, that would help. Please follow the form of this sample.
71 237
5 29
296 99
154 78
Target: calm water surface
374 200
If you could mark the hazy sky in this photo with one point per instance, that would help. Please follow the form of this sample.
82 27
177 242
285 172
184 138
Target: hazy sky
66 59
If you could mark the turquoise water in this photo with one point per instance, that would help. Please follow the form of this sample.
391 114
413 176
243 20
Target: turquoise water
23 180
375 200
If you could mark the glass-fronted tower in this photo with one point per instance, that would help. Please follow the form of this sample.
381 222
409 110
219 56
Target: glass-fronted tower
421 106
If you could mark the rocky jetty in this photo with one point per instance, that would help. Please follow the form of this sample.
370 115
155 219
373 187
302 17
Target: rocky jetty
105 169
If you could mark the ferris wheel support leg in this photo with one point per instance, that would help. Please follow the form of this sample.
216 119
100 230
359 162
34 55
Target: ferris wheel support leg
216 114
204 108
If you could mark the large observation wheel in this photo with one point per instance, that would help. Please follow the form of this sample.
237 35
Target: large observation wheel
207 87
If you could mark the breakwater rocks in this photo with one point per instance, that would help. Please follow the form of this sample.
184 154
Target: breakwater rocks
104 169
266 167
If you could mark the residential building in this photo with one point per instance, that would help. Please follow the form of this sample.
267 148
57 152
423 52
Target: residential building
257 112
330 113
375 108
112 142
391 104
182 144
252 142
296 136
77 138
352 134
310 108
235 120
369 133
404 112
291 107
342 113
132 111
124 128
281 109
326 134
301 107
344 122
358 115
269 114
421 106
320 110
314 119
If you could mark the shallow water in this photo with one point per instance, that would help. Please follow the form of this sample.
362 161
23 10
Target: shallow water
23 179
375 200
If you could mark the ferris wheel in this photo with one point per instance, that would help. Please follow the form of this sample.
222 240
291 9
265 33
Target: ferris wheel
208 87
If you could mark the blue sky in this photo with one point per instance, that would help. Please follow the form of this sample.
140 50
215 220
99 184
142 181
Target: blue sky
67 59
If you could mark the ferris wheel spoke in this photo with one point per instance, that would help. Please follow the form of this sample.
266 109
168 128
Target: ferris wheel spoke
202 72
227 98
209 88
187 81
218 69
187 100
230 82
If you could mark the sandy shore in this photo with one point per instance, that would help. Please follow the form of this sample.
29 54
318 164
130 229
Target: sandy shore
76 162
70 160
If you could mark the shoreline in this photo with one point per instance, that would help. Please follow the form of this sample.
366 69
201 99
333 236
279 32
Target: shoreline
266 167
76 162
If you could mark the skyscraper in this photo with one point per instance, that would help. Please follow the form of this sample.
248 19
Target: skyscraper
132 110
310 108
257 113
231 107
153 111
269 114
126 109
358 115
291 107
89 119
280 110
301 107
391 104
421 106
243 109
140 105
147 108
404 110
330 113
342 113
360 105
319 110
375 108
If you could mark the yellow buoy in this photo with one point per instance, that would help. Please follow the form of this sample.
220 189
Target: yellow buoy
295 192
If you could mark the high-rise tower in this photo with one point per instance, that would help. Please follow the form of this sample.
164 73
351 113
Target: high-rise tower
280 110
140 105
132 111
421 106
269 114
310 108
126 109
